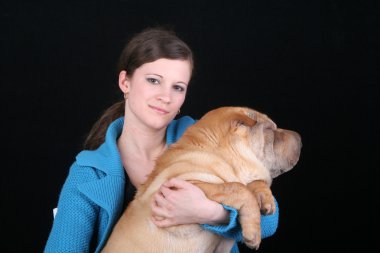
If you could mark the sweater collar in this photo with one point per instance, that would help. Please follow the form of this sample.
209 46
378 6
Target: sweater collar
107 157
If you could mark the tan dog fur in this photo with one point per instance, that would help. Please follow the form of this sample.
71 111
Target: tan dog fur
232 154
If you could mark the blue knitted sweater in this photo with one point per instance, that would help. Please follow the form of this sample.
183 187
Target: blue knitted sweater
91 200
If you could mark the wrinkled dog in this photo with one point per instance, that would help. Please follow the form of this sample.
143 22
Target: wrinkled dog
232 154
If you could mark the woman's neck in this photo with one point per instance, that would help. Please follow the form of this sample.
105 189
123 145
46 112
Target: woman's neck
145 145
139 150
141 141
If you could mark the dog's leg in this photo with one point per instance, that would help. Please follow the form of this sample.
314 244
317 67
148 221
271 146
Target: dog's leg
264 196
241 198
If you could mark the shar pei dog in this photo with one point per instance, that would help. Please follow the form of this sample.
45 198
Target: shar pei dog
232 154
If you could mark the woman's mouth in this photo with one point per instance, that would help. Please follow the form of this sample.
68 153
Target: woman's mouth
159 110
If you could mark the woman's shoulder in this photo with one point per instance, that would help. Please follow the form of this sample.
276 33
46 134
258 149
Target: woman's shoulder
184 121
106 157
81 173
177 127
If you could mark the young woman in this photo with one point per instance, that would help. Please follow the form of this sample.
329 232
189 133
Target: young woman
154 75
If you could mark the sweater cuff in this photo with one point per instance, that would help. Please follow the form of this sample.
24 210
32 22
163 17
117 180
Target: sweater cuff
269 224
230 230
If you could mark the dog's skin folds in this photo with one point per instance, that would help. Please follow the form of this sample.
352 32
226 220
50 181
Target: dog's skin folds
232 154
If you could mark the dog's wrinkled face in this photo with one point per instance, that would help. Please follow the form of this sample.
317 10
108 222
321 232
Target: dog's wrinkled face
255 133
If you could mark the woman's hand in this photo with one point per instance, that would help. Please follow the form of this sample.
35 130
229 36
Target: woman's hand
180 202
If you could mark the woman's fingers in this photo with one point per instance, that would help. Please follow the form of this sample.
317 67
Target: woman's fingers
178 202
162 223
158 212
165 192
160 200
160 215
176 183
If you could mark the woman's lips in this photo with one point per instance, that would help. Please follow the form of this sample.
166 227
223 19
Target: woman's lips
159 110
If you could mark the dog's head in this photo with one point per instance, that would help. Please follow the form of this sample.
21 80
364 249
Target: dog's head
251 134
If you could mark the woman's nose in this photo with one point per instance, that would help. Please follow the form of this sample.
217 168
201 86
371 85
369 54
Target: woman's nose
164 96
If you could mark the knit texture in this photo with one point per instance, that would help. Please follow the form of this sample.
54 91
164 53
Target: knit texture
233 230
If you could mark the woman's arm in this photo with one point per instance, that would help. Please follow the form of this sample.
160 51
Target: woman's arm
269 224
73 225
188 204
180 202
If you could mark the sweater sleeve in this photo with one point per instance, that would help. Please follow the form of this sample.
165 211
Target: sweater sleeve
269 225
73 225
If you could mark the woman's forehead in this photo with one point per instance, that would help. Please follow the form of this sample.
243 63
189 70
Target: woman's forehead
167 68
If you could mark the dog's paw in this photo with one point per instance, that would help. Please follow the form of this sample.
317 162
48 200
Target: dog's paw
252 240
266 203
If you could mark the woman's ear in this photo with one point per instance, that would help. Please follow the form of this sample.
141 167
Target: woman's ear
124 81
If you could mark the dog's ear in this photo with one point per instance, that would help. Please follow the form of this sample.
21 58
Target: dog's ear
261 118
243 119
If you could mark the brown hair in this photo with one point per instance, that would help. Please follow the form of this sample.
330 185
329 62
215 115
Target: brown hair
147 46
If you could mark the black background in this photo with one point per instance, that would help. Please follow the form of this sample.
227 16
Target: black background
312 66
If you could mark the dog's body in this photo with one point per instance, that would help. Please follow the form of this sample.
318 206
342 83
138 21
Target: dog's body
232 154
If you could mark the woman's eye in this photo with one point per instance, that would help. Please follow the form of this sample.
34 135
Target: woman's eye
179 88
153 80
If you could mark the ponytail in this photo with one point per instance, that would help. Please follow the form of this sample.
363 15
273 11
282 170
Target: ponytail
98 131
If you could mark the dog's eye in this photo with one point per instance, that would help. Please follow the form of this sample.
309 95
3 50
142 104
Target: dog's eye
240 123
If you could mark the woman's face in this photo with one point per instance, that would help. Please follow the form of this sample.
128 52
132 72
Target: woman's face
156 91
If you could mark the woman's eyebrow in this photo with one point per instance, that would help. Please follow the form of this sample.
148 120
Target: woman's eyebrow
183 83
155 74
